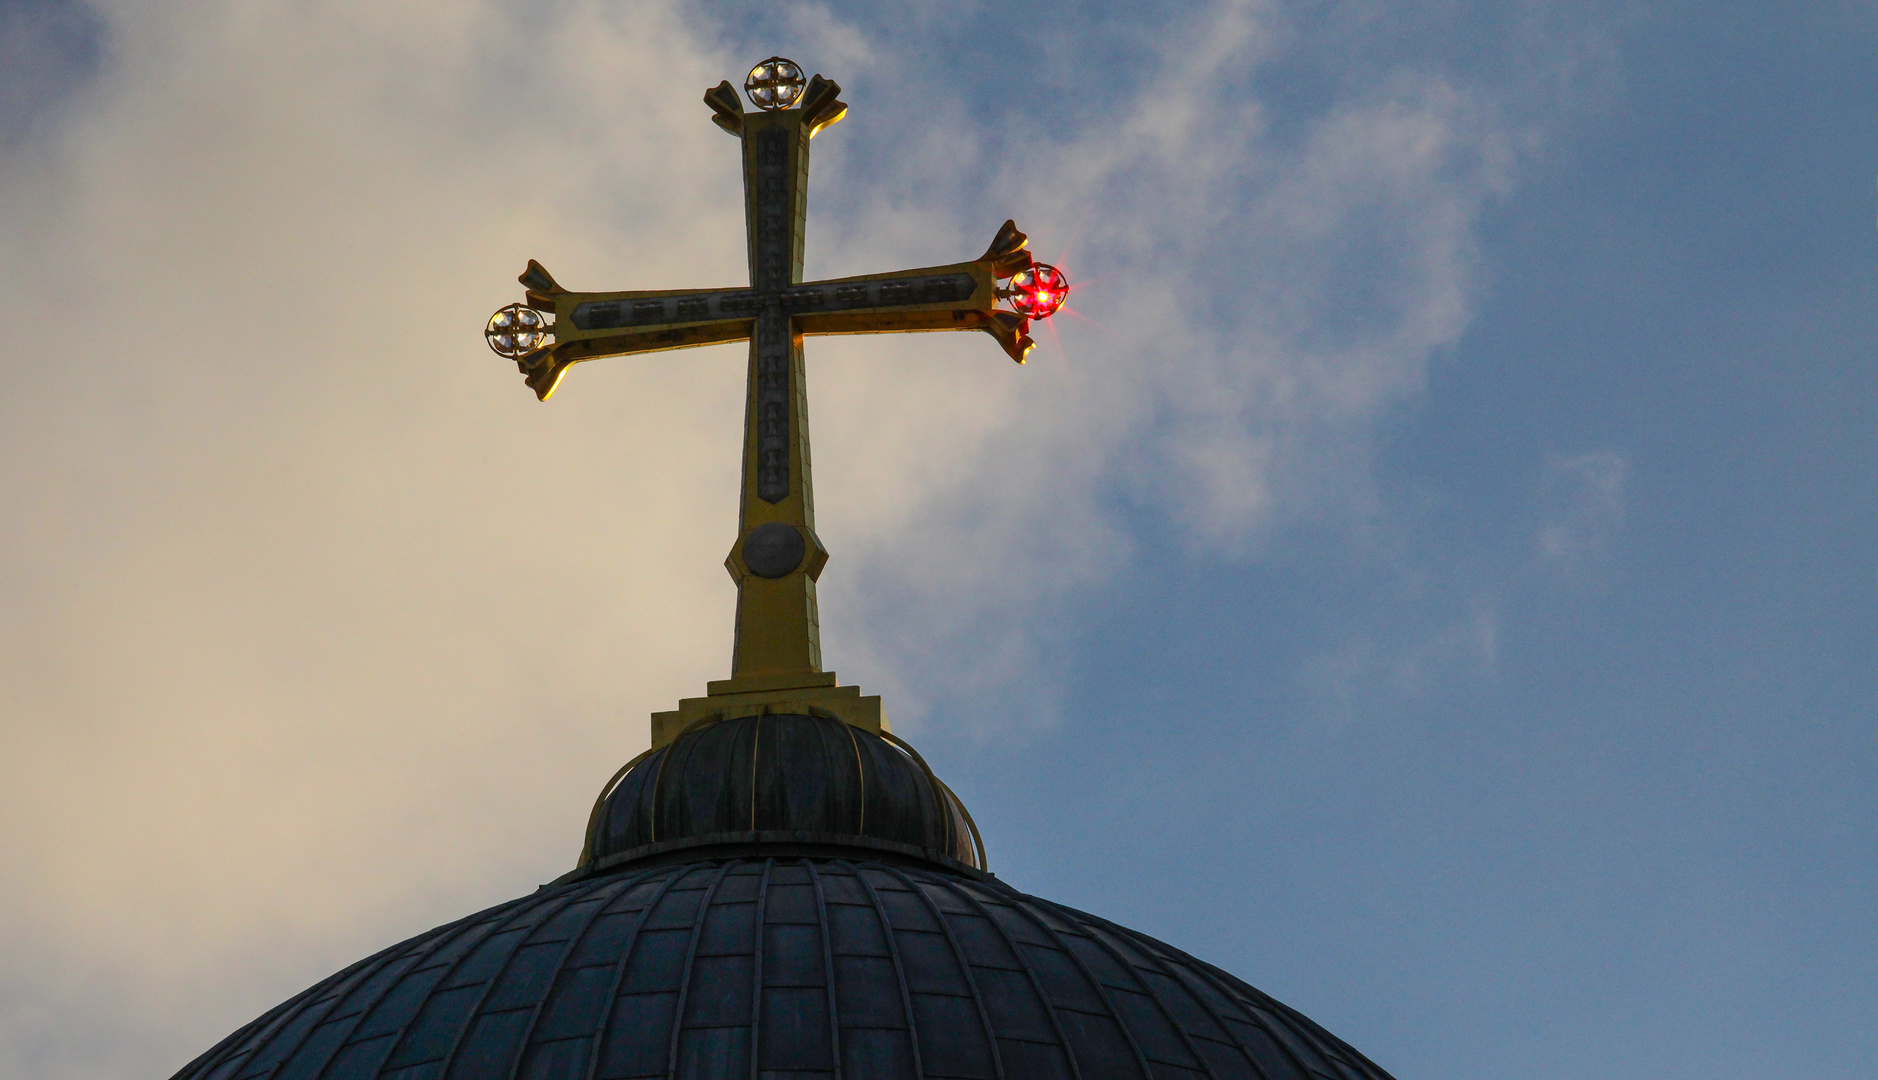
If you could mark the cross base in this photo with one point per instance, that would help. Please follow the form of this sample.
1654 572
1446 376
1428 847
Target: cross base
754 695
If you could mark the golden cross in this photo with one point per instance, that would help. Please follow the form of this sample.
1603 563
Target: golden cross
777 659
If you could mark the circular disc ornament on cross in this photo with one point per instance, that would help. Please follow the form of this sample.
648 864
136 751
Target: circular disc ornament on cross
773 549
775 84
1038 292
516 331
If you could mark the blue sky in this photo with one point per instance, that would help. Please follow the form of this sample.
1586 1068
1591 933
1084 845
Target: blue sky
1637 841
1434 578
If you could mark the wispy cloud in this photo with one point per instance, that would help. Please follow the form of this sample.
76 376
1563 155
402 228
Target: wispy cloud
1383 667
1583 496
1257 303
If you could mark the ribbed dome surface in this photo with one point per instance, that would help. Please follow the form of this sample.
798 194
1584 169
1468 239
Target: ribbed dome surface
778 778
782 969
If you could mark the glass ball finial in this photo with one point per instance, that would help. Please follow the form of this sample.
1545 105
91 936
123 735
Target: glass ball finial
775 84
1038 292
516 331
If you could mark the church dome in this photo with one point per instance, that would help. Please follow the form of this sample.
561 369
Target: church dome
780 778
805 967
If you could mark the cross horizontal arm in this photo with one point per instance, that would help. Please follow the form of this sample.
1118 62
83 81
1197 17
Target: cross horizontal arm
961 296
643 321
588 326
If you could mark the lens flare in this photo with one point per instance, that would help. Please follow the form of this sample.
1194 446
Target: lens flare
1038 292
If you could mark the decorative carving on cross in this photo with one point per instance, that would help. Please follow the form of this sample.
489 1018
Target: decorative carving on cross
776 661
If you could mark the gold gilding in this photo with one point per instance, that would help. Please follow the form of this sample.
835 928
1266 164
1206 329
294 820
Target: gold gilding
776 662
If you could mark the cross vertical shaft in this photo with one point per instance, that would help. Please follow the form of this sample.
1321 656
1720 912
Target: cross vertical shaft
778 631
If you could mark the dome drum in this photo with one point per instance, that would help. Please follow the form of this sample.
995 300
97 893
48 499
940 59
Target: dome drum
780 777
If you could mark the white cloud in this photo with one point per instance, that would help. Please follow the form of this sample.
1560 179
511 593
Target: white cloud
316 624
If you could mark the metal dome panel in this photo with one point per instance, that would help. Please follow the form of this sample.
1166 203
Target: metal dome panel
781 969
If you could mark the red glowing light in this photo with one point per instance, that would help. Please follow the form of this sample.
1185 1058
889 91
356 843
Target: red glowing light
1036 293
